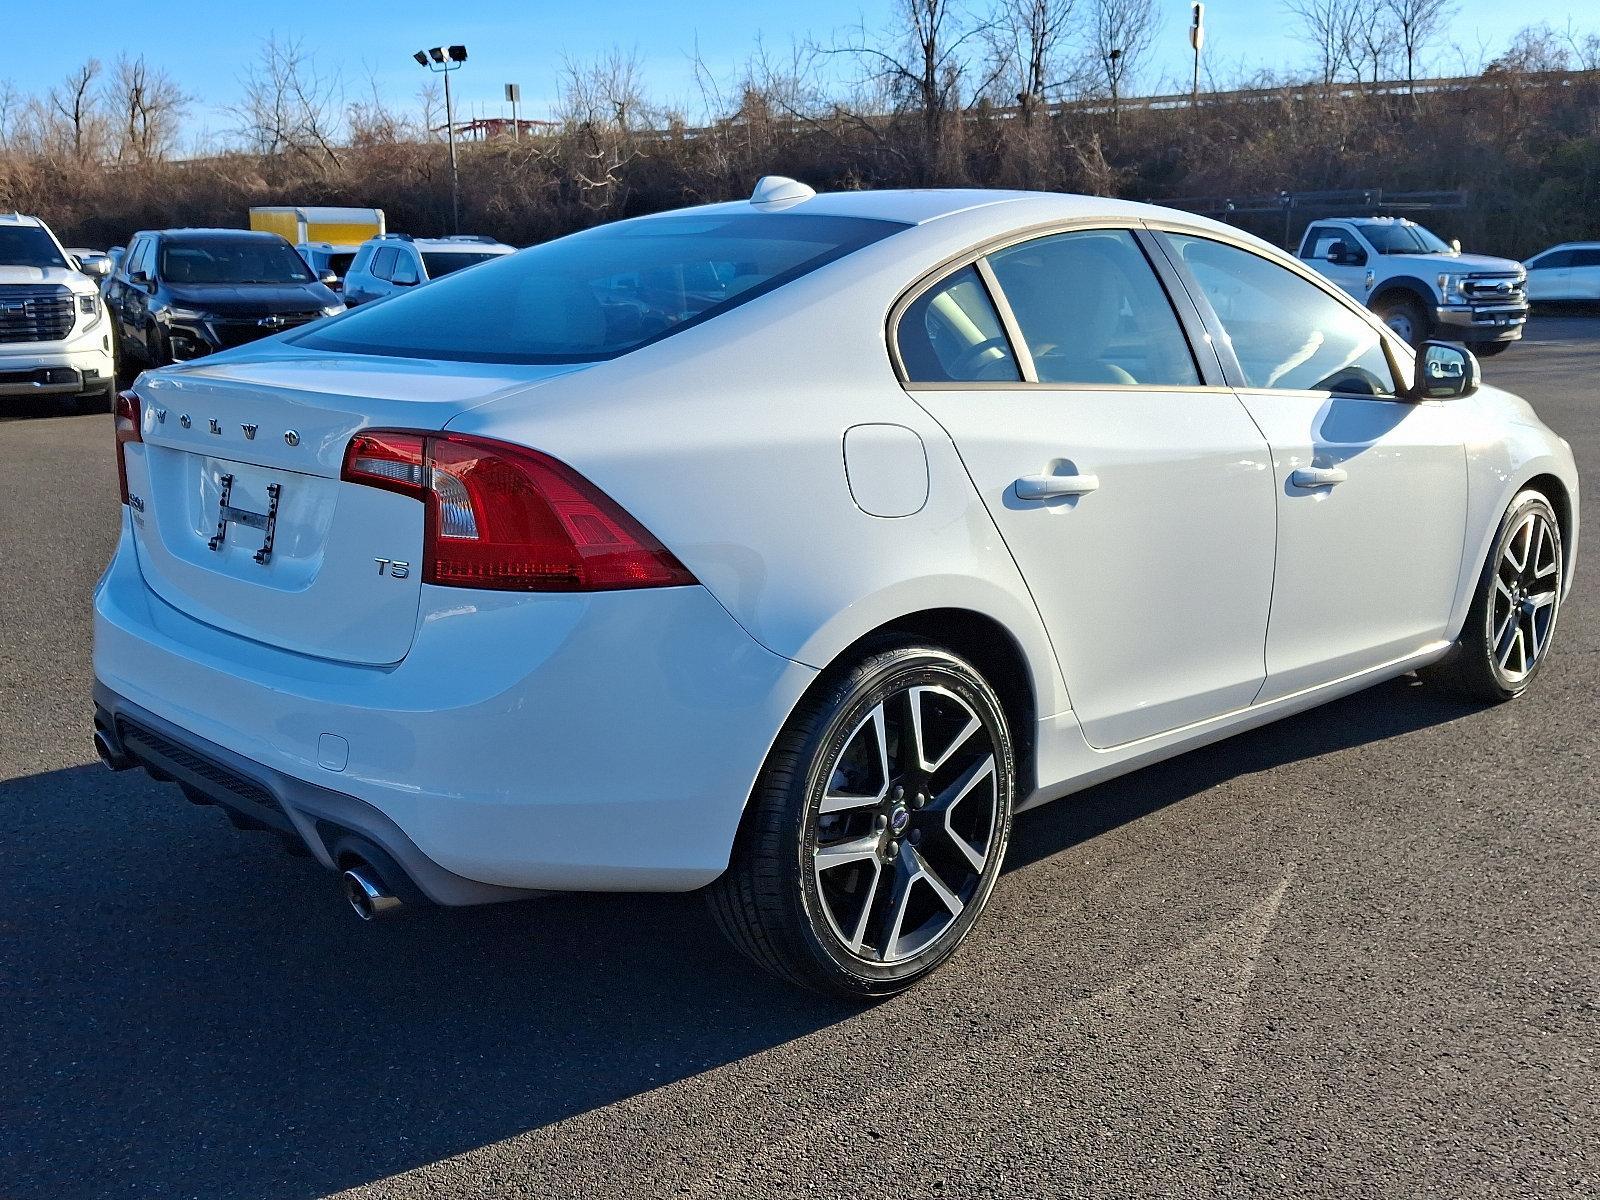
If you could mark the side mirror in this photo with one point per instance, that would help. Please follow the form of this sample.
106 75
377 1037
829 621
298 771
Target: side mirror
142 278
329 279
1455 245
1445 371
1342 254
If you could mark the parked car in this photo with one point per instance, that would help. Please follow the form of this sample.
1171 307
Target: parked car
1564 273
93 263
900 513
182 293
1421 285
331 263
397 262
54 338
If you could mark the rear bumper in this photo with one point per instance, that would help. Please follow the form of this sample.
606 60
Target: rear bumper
599 742
327 822
1482 324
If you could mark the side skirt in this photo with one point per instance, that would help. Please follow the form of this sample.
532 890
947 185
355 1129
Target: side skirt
1073 765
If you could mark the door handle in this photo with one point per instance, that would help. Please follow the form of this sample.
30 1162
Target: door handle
1045 487
1316 477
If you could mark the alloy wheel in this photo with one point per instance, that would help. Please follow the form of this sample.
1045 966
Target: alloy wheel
906 823
1526 598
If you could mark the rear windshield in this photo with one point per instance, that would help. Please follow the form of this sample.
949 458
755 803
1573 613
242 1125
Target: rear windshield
445 261
600 293
219 260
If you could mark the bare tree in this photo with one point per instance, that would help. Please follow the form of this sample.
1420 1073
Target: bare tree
148 108
1328 26
1121 34
1371 41
289 106
601 107
1417 23
1026 39
921 61
75 102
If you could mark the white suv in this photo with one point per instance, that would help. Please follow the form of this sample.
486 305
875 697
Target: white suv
394 262
54 336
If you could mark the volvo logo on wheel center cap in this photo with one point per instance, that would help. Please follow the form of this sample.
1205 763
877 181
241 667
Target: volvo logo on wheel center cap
898 820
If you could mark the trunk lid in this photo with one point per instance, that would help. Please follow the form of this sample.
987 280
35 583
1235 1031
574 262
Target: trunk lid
245 523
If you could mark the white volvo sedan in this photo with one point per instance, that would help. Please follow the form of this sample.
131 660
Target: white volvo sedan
788 548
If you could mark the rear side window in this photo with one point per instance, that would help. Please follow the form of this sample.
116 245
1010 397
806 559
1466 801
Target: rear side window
383 262
1286 332
1586 258
438 264
600 293
1092 311
952 334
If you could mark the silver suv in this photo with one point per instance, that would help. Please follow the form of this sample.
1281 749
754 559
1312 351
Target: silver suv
395 262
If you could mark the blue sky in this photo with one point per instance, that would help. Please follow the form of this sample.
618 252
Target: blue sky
207 45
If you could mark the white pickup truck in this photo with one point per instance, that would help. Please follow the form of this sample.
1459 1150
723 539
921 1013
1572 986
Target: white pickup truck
1422 286
55 339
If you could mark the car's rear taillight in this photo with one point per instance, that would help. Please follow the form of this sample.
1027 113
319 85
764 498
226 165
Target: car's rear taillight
501 516
127 425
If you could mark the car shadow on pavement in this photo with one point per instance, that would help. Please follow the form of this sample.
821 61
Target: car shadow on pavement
187 1010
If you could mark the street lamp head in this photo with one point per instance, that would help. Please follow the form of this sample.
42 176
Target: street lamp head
422 58
437 54
458 54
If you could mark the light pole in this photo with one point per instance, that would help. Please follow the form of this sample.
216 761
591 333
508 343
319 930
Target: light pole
441 60
1197 39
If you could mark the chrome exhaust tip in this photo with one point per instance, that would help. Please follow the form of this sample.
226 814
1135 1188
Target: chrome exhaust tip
367 894
113 759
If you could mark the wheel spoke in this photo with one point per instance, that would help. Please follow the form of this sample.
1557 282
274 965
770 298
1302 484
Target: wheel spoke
910 871
1500 630
859 936
1524 535
841 854
944 806
920 745
871 725
1503 656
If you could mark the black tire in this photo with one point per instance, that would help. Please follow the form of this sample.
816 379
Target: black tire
1393 310
772 903
1473 668
1490 349
98 401
157 351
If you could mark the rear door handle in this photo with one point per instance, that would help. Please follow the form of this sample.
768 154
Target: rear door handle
1044 487
1316 477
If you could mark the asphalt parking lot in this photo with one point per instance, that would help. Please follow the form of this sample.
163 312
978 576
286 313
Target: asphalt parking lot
1353 954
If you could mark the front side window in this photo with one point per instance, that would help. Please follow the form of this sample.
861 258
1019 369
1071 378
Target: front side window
1286 332
1321 238
952 334
1552 260
220 260
600 293
1091 310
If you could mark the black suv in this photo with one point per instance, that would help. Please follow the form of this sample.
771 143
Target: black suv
182 293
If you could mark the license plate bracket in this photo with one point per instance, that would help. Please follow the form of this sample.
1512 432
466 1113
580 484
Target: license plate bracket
228 514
